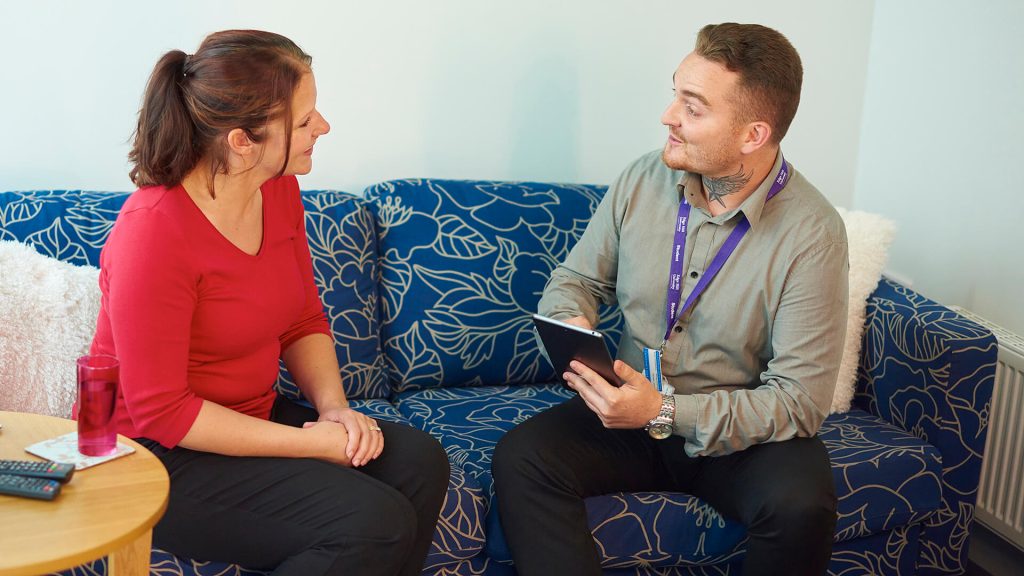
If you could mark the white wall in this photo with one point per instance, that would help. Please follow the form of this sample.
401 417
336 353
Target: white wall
565 90
941 149
572 91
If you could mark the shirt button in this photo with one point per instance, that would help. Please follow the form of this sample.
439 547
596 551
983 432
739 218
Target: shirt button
694 274
678 329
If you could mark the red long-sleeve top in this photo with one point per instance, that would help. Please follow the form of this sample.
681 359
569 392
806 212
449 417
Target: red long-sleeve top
191 317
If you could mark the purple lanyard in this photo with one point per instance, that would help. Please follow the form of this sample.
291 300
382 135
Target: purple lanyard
675 271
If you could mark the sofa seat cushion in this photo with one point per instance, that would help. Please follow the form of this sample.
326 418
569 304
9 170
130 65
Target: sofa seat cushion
460 526
469 421
166 564
885 478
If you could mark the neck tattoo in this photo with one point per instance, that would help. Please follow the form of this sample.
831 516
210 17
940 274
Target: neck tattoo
717 188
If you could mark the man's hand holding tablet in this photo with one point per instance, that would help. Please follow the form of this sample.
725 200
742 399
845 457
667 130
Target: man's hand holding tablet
630 401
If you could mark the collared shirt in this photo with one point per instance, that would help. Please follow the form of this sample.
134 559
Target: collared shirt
757 357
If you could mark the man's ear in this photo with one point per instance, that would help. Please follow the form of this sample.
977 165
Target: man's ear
756 135
239 142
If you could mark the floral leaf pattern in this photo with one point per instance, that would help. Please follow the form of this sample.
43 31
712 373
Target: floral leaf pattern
930 372
342 245
458 240
70 225
467 261
410 358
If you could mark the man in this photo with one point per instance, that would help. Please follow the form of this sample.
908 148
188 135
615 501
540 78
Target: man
749 355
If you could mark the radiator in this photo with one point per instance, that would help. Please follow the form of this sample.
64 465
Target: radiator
1001 491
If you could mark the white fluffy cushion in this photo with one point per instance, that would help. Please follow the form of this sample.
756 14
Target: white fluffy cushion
48 312
869 237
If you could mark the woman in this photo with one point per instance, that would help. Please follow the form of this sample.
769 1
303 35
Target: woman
207 281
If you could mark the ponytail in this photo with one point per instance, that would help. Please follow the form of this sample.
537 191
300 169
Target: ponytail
164 143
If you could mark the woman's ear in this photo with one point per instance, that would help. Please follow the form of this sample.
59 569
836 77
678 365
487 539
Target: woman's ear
239 142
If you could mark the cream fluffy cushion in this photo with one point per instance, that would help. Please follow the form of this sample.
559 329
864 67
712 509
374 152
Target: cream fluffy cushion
869 237
48 312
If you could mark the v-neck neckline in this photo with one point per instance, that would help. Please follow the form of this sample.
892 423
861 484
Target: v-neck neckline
210 225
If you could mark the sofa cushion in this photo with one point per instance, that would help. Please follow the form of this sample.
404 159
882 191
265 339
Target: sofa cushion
342 244
73 225
868 238
463 264
48 312
460 526
469 421
884 478
70 225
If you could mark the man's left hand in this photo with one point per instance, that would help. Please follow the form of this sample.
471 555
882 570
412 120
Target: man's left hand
631 405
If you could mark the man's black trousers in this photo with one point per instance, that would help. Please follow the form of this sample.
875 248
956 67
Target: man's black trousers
544 469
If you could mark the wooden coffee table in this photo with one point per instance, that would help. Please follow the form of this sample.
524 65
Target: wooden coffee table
109 509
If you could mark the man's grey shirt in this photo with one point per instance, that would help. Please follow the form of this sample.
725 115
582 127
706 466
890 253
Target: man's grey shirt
756 358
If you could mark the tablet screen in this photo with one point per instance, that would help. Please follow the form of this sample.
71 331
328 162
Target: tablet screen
565 343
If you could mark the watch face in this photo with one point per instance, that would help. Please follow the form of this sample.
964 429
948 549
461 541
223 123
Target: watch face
660 431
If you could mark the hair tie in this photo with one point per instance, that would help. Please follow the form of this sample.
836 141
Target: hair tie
184 65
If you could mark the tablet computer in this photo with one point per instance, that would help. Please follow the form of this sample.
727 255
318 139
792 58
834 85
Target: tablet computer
565 342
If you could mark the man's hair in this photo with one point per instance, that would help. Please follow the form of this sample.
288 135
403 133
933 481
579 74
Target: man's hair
770 73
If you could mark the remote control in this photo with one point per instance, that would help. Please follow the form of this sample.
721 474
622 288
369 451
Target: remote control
38 469
29 487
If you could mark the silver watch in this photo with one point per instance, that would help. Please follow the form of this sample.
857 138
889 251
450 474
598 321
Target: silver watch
662 425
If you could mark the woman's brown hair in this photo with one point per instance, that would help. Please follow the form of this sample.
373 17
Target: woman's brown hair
236 79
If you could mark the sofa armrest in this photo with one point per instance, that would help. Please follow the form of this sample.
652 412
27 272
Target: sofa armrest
930 371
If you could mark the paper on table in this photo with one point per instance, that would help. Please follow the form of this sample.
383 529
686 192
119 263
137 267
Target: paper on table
64 449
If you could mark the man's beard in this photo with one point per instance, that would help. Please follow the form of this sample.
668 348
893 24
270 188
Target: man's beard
719 159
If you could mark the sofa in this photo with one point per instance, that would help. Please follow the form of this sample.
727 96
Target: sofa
429 286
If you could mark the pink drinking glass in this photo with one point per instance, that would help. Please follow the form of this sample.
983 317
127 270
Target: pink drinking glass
97 391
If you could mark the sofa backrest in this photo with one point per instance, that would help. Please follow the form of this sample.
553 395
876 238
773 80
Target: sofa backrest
69 225
73 225
342 242
463 265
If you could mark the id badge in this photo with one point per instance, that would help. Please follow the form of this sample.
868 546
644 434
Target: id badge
652 371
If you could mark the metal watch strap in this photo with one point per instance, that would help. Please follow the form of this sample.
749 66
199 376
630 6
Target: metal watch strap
667 413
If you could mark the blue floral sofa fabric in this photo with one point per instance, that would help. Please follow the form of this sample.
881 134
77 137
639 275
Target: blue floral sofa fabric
429 285
463 265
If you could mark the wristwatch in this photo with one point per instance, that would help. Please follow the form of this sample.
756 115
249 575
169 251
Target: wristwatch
661 426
